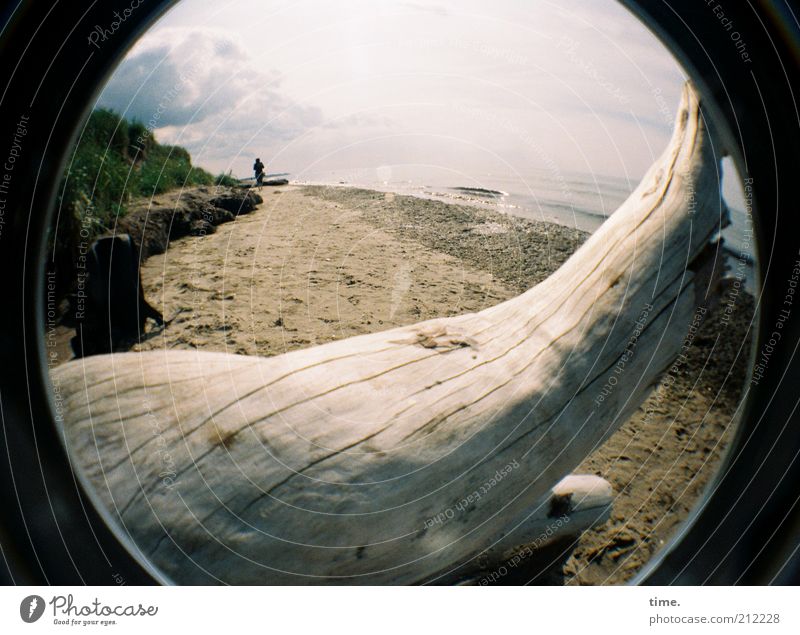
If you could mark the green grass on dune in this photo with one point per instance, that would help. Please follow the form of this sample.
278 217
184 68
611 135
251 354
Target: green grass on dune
113 162
116 160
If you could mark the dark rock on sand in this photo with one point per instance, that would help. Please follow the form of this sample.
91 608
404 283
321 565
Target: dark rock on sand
201 228
249 184
152 224
113 309
235 202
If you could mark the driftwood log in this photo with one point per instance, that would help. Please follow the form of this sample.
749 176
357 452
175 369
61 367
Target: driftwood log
576 503
332 464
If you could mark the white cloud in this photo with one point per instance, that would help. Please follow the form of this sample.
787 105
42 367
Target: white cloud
199 88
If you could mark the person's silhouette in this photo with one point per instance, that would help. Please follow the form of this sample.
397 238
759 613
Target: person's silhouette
258 168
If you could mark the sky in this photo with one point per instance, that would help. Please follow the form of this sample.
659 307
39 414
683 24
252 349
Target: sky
461 86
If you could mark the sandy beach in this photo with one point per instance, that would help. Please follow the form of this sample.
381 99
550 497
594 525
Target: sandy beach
313 264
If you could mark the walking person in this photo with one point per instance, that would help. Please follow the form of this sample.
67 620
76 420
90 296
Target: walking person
258 168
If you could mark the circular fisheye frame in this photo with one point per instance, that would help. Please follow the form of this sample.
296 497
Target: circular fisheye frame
65 522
